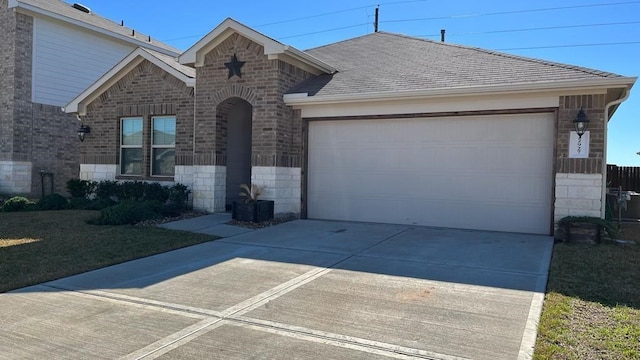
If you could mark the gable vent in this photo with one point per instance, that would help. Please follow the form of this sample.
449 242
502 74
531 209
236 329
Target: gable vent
82 8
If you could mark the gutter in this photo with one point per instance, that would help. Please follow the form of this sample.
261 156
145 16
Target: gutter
302 99
627 92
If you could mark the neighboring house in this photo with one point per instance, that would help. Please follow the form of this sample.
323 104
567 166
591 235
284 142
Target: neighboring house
49 52
383 128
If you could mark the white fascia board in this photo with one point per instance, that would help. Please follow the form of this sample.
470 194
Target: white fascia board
78 104
195 54
30 10
558 86
272 48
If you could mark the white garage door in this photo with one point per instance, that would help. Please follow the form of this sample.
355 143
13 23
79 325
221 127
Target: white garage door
472 172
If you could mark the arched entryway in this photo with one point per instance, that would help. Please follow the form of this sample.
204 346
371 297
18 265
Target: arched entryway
234 118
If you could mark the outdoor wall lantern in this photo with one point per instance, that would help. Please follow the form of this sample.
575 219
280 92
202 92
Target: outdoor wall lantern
581 123
83 131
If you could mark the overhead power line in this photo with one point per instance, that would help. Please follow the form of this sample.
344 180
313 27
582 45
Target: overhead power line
339 12
569 46
323 31
535 29
511 12
430 18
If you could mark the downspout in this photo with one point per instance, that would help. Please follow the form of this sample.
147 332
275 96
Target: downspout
195 99
603 209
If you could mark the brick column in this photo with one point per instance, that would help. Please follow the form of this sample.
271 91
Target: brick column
579 182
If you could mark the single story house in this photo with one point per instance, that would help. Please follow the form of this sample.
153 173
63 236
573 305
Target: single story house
379 128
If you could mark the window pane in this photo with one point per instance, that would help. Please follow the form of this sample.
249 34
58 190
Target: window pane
164 130
132 131
163 162
131 162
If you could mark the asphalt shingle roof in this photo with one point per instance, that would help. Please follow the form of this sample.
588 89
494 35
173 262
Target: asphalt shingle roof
66 10
173 62
386 62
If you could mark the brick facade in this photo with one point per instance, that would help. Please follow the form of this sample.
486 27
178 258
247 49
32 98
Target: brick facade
38 136
593 105
276 130
145 91
7 65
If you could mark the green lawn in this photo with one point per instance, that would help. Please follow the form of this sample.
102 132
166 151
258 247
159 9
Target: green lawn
46 245
592 305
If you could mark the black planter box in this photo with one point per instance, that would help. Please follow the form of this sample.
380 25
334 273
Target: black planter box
581 232
252 211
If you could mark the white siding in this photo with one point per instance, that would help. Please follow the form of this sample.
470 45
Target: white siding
67 60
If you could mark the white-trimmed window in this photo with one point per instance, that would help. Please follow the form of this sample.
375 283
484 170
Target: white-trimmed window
163 143
131 156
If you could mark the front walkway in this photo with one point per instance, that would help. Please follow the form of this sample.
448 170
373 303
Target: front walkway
304 289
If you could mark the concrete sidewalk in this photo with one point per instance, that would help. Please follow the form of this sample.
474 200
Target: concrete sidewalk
303 289
212 224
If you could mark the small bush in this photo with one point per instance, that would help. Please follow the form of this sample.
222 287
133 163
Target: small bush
17 203
80 188
108 190
79 203
155 191
130 190
52 202
178 197
129 212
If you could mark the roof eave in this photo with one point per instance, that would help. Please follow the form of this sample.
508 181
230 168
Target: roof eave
301 99
30 9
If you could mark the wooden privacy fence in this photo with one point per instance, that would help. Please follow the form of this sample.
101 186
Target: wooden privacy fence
626 176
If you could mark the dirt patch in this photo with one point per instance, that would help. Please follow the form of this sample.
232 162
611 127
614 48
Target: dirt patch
630 231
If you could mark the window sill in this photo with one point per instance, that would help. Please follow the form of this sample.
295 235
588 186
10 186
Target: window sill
145 178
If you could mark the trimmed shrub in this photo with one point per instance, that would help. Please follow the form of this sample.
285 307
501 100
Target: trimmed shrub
108 190
52 202
129 212
18 203
131 190
157 192
80 188
178 197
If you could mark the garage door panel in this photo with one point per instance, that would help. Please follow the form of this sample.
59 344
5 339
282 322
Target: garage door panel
480 172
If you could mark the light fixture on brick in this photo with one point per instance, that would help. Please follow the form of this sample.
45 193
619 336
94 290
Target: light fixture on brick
82 131
581 122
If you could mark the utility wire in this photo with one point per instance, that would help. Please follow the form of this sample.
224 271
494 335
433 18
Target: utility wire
534 29
338 12
323 31
569 46
419 19
511 12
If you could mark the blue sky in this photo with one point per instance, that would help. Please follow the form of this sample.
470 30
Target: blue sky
540 29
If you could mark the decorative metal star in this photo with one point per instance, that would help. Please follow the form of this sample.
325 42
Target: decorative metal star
234 66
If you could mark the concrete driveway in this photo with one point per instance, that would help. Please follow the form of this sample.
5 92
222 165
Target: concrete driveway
300 290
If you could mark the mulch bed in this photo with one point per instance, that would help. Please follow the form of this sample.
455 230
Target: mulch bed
194 213
260 225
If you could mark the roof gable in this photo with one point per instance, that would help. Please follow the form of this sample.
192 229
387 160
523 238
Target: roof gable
67 13
166 63
272 48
